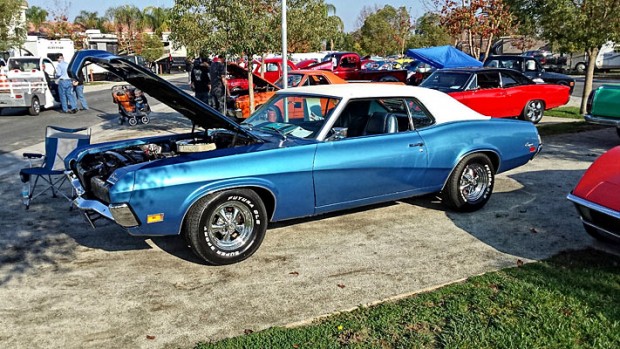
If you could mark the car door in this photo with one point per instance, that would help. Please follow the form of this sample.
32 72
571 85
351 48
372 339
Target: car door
487 97
363 169
517 94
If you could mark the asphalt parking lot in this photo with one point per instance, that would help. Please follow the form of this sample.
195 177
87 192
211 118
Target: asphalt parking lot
63 284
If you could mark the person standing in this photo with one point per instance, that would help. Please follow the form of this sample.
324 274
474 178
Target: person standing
217 73
65 87
201 82
78 88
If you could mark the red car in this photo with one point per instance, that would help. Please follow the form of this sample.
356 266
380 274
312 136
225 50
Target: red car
596 197
498 92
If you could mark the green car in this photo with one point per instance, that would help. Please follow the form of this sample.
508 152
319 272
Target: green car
603 106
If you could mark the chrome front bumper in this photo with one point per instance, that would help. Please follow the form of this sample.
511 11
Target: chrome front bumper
93 210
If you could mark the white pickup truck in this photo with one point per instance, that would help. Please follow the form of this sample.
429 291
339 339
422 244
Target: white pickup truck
28 82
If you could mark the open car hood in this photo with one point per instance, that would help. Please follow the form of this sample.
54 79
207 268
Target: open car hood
241 73
198 112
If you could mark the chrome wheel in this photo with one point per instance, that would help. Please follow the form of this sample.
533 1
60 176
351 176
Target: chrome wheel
474 182
534 111
230 226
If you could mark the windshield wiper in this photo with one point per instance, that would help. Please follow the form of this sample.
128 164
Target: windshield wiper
277 131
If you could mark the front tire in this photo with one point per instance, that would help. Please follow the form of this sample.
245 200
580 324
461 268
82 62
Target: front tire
533 111
580 68
470 185
35 106
226 227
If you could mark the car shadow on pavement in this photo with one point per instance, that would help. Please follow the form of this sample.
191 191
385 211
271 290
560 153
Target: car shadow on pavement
530 219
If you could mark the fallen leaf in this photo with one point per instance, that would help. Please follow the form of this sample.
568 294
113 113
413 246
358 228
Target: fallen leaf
341 286
148 336
533 230
247 331
294 273
295 346
519 263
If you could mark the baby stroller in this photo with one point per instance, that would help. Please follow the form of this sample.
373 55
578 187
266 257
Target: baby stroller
132 104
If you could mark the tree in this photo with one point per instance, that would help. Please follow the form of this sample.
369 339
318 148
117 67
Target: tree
326 26
128 22
60 27
576 25
89 20
386 31
429 32
36 16
12 32
157 18
151 47
479 21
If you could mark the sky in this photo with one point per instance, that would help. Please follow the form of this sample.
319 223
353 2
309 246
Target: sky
348 10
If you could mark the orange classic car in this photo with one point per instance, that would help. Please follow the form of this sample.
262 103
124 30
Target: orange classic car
295 78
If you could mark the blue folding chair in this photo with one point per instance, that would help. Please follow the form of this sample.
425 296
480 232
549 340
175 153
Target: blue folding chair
59 142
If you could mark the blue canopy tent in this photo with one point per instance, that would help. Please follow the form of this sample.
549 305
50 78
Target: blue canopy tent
443 57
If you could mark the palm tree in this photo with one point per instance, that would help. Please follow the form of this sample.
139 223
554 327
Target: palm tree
157 18
36 16
335 23
89 20
128 21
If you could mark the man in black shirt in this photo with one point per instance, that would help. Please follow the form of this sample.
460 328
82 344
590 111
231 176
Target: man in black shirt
217 73
201 82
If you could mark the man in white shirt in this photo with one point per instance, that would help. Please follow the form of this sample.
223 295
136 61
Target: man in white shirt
65 87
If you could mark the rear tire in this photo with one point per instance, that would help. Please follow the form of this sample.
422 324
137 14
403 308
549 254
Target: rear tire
533 111
145 120
226 227
35 106
470 185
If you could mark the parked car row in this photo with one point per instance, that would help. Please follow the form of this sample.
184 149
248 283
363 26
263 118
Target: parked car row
324 146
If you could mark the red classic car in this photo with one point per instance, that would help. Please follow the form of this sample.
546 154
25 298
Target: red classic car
273 68
596 197
498 92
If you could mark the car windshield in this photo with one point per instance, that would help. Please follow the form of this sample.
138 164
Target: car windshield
24 64
293 80
300 116
446 80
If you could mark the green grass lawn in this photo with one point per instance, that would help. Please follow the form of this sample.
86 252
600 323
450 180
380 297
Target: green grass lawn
569 301
564 112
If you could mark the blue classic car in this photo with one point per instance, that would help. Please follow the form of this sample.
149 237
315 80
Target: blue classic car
306 151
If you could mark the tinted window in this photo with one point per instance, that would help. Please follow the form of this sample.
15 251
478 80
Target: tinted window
488 79
447 80
508 81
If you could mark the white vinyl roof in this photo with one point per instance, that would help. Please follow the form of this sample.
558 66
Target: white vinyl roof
443 107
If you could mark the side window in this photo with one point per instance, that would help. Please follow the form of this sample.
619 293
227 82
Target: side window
419 115
530 65
488 80
369 117
272 67
319 80
508 81
473 84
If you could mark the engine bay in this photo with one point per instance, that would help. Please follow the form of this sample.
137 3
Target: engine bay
94 169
